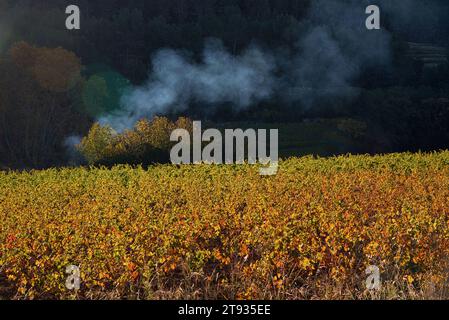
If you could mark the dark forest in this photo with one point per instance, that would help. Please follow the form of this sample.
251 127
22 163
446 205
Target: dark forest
363 91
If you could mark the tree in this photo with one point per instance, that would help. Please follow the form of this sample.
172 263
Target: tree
56 70
148 142
37 104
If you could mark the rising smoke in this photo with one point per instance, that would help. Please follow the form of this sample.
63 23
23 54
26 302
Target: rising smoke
333 47
72 154
176 81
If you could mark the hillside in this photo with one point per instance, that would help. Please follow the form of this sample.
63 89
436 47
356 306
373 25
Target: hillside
226 232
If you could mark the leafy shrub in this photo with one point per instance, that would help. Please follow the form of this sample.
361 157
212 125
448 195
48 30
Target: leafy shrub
148 142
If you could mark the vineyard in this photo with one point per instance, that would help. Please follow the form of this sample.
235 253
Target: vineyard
225 232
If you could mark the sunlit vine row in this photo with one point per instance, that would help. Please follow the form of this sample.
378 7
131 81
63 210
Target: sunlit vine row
205 231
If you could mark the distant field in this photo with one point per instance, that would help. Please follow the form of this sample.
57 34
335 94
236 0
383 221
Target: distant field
226 232
323 137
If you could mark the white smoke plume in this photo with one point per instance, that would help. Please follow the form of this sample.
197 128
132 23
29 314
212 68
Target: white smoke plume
332 49
73 156
176 81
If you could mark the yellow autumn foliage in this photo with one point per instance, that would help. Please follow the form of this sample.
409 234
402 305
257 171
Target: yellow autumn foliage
148 142
204 231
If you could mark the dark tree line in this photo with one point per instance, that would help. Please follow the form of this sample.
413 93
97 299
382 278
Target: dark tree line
53 82
125 33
